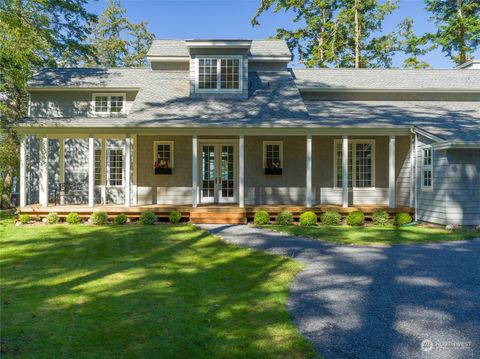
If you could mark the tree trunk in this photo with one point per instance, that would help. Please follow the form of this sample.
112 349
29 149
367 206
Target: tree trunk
7 188
357 36
462 56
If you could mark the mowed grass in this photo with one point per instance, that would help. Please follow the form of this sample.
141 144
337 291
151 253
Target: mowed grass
374 235
165 291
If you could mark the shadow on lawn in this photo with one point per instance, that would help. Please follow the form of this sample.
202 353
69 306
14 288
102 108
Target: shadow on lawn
382 302
162 291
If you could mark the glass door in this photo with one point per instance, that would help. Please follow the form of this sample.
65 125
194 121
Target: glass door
218 174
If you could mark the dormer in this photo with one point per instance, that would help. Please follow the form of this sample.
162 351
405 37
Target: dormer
219 68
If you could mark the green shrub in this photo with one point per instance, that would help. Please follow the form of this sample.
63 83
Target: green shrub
121 218
99 218
402 218
261 218
52 218
148 217
308 219
331 218
380 218
356 218
284 218
24 218
174 217
73 218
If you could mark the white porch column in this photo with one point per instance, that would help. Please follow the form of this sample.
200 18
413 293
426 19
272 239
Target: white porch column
308 183
345 171
43 183
103 172
241 171
23 159
194 170
391 172
91 170
412 171
61 159
128 167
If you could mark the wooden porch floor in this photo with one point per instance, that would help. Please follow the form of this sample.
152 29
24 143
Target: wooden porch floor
230 213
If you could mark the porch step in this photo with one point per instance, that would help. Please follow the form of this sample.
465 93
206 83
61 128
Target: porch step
218 216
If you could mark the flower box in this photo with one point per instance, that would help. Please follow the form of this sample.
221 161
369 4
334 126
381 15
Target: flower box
273 171
163 171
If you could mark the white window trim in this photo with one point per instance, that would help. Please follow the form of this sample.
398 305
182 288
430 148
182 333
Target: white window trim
426 168
109 95
107 165
335 168
172 153
219 69
265 143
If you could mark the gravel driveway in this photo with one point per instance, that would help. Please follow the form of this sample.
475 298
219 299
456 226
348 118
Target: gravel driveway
404 301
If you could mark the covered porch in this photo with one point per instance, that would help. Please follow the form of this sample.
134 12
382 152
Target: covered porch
166 169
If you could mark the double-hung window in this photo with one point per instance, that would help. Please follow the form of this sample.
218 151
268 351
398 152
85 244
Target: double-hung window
98 167
427 168
272 154
108 104
163 154
361 159
219 74
115 161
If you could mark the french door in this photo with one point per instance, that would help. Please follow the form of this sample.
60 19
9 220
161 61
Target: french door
218 173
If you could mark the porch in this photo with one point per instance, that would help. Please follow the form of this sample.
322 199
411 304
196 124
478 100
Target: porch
205 213
216 173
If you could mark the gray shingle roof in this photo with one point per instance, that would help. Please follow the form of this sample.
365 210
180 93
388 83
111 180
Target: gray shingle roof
259 48
452 121
387 79
90 77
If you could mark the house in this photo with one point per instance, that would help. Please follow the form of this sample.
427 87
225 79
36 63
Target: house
227 123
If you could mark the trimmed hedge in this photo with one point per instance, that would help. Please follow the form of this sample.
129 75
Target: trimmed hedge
24 218
73 218
261 218
175 217
52 218
380 218
356 218
284 218
121 218
148 218
308 219
99 218
402 218
331 218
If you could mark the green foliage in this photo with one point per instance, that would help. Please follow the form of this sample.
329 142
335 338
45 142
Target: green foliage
52 218
380 218
73 218
99 218
261 218
175 217
355 218
24 218
458 27
148 217
284 218
402 218
331 218
308 219
118 42
121 218
413 46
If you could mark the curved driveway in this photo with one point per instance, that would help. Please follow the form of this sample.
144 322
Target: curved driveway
404 301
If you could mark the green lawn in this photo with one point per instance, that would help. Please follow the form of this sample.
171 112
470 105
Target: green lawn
373 235
142 292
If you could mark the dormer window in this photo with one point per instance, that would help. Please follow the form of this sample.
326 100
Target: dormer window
219 73
107 104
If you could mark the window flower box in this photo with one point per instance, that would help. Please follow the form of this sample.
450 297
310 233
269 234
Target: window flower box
163 171
273 171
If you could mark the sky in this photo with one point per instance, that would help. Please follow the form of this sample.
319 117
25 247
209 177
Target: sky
230 19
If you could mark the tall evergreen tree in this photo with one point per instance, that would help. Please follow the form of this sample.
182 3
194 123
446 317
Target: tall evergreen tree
117 41
413 45
337 32
458 27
